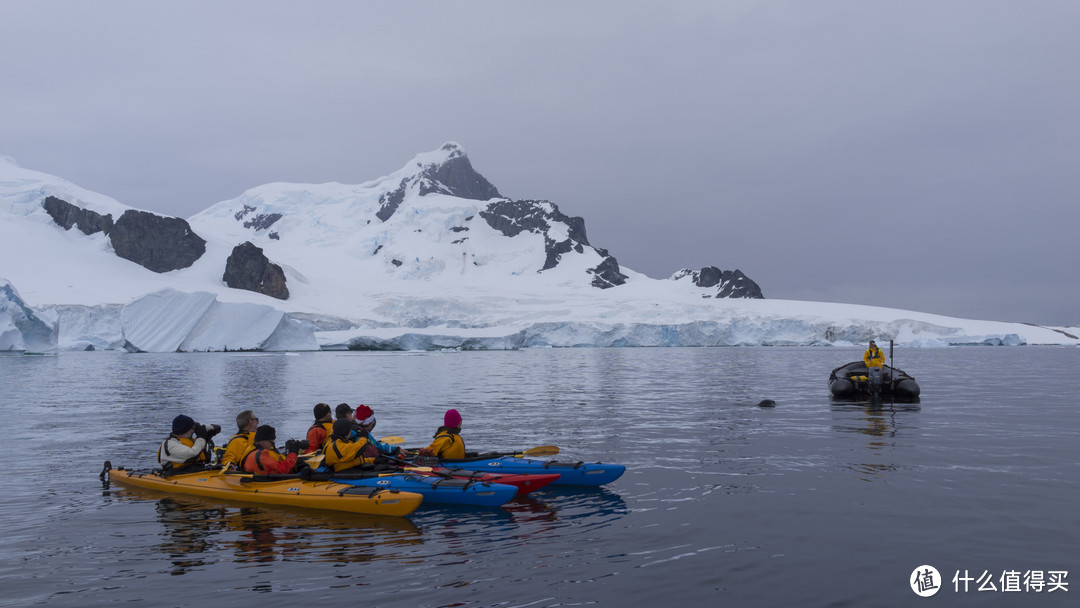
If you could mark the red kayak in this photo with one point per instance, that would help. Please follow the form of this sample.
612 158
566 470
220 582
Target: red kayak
524 483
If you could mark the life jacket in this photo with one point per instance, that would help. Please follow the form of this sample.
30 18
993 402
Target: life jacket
343 454
235 453
328 427
202 456
253 463
453 449
874 357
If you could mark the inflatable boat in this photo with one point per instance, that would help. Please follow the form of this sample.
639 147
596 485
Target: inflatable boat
855 380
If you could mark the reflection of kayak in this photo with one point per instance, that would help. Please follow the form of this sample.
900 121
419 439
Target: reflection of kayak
436 489
570 473
856 380
523 483
281 492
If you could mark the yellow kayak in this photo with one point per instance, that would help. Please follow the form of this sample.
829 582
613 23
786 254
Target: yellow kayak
287 492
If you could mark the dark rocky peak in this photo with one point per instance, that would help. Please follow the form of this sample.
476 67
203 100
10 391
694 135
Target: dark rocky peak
249 268
514 217
445 171
721 283
455 176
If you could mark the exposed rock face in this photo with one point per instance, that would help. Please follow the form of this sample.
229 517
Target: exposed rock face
156 242
67 215
390 201
249 268
455 176
721 283
513 217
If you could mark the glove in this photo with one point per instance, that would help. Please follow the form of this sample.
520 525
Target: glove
212 430
200 431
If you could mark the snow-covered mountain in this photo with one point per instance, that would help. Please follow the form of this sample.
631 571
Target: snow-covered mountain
430 256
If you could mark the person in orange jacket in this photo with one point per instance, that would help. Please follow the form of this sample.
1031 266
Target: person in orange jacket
448 443
320 430
263 458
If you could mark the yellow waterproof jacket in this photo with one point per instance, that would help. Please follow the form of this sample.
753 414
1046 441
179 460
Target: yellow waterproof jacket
873 357
448 444
341 454
237 447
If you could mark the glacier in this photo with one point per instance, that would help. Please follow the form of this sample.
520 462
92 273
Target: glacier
403 262
173 321
21 328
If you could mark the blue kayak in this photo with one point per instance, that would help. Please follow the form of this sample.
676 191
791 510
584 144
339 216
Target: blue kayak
570 473
436 489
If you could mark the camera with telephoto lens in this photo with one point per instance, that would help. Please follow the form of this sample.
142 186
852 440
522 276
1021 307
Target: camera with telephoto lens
206 432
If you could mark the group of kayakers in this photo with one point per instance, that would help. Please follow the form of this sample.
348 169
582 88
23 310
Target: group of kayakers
341 438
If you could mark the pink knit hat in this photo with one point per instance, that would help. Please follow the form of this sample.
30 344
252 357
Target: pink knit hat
452 419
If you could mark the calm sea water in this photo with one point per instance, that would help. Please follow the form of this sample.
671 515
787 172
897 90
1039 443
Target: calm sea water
810 503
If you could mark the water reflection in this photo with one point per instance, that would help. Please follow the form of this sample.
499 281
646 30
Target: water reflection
197 530
881 423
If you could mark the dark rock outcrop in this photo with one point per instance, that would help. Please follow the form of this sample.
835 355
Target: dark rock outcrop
721 283
261 221
156 242
67 215
390 201
514 217
249 268
455 177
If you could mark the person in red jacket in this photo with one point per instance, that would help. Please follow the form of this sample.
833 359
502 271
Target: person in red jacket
264 458
320 430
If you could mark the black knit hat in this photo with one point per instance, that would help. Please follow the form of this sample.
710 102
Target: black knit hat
182 424
342 428
321 410
265 433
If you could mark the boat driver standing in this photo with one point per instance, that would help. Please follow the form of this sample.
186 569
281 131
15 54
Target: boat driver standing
874 360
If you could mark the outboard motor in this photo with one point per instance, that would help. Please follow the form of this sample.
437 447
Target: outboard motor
875 380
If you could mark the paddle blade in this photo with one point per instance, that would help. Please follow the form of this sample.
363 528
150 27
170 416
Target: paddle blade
542 450
393 440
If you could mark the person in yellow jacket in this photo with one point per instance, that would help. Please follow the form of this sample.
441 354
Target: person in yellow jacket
186 446
242 441
343 453
448 443
873 357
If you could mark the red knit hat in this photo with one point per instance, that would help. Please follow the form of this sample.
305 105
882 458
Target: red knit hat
452 419
364 415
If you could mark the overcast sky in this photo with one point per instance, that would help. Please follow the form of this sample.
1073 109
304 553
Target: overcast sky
921 155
